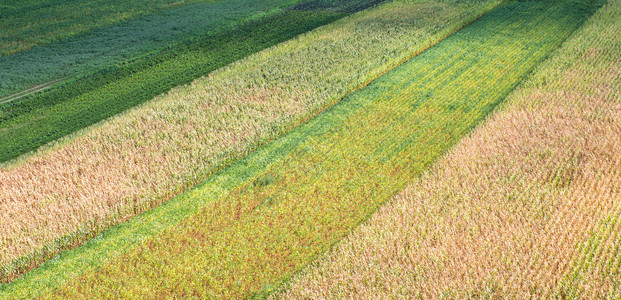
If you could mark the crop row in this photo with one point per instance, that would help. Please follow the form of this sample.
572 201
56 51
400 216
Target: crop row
138 160
298 195
527 206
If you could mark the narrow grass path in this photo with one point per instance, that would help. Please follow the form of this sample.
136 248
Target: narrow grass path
30 91
250 227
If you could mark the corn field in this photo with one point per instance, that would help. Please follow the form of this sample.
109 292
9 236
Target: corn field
247 229
527 206
72 189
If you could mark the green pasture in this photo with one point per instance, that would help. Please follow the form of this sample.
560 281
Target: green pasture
248 228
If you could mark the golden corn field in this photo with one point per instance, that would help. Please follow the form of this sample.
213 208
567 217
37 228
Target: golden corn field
527 206
360 149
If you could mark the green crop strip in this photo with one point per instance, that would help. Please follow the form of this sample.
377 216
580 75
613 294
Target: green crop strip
29 23
47 117
269 214
80 55
602 252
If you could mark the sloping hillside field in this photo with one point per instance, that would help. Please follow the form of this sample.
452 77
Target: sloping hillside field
526 207
248 228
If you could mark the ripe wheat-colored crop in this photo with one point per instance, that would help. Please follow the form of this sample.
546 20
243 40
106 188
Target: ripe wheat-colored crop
107 173
528 206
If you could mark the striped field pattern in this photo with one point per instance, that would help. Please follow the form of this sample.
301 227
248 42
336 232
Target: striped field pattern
72 190
271 213
527 206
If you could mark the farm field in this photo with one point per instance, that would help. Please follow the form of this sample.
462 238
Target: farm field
69 192
527 206
47 117
251 226
92 51
29 23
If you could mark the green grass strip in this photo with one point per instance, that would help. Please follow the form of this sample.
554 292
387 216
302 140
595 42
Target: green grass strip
271 213
35 122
